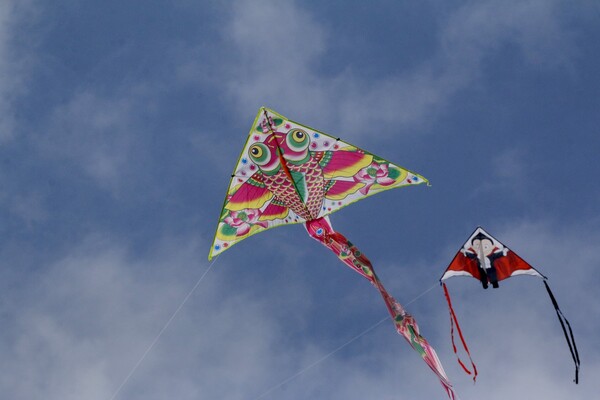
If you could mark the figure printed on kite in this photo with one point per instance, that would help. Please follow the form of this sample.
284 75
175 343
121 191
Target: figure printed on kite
289 173
485 251
482 249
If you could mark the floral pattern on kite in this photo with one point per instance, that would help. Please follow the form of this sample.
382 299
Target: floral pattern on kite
378 173
240 223
289 173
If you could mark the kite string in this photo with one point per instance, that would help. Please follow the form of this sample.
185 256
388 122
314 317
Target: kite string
164 328
422 294
320 360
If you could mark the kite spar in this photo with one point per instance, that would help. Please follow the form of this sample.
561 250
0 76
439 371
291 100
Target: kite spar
289 173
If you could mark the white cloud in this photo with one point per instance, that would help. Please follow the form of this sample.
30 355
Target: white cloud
268 54
468 36
100 135
77 327
271 51
29 208
508 175
275 45
15 61
83 322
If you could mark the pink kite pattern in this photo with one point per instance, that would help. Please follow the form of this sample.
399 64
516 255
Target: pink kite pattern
289 173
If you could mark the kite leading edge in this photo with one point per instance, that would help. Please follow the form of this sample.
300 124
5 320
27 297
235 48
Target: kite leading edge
289 173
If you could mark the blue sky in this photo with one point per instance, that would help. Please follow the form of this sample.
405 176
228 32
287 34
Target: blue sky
120 123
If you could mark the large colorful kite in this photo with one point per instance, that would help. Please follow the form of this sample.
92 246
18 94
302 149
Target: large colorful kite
486 259
289 173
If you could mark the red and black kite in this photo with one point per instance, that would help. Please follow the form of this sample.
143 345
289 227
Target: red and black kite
486 259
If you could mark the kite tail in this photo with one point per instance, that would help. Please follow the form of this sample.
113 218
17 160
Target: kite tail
569 337
321 230
453 321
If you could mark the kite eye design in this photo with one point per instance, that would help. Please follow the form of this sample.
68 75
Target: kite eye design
260 154
297 139
319 232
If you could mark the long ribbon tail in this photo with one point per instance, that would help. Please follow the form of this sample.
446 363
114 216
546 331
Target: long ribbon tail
321 230
454 321
407 326
568 337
